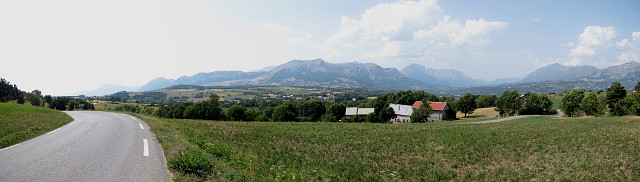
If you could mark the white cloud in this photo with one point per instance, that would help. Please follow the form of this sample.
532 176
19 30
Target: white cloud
408 29
593 37
591 40
631 49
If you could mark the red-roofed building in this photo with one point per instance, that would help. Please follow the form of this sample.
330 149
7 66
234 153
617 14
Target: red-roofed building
438 110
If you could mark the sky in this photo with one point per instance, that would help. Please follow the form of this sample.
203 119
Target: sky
65 46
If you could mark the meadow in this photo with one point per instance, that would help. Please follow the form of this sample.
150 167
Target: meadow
19 122
540 149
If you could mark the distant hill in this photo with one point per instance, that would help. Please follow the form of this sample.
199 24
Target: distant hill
345 75
216 78
442 77
556 72
319 73
106 89
627 74
302 73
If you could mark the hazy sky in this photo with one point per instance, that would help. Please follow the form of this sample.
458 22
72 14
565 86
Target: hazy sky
65 46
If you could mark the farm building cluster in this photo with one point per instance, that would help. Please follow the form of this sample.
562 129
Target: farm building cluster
403 112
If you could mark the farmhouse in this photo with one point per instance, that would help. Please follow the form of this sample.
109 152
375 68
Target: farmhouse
360 112
403 113
438 110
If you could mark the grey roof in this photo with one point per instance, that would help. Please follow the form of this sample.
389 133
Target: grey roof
403 110
358 111
351 111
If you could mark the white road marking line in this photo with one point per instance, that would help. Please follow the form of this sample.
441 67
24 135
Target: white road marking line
9 147
52 131
146 147
133 118
141 126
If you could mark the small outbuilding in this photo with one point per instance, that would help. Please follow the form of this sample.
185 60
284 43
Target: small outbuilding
360 112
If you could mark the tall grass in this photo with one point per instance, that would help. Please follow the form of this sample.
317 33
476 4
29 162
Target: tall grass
542 148
19 123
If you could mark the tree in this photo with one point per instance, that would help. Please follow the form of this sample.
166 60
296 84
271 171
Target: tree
508 103
591 105
250 115
622 107
338 110
535 104
209 110
48 99
34 99
373 118
9 92
637 88
421 115
467 104
329 117
386 114
311 110
236 113
284 112
73 104
571 102
614 93
486 101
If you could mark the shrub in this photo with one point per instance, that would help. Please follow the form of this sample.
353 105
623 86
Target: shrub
192 162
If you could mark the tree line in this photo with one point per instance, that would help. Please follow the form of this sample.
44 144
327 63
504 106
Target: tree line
616 101
10 92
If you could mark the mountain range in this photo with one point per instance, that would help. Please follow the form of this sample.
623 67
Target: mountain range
317 72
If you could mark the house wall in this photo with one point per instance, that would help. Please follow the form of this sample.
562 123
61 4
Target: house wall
401 119
436 116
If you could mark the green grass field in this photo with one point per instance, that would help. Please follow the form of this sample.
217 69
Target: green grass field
540 149
19 123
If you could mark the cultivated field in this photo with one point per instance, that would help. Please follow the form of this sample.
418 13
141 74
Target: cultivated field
19 123
541 149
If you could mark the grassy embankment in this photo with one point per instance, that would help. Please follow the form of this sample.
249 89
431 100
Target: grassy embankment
542 148
19 123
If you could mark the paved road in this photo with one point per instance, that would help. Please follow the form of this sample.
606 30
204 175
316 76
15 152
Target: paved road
96 146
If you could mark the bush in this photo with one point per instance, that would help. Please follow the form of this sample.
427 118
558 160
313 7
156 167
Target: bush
192 162
329 118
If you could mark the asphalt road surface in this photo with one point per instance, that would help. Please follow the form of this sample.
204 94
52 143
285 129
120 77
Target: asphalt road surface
96 146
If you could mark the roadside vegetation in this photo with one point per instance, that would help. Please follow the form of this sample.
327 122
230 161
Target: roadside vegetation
541 149
19 122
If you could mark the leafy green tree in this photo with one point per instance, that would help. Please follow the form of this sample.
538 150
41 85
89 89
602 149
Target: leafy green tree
467 104
48 99
535 104
421 115
263 117
20 98
73 104
508 103
251 115
329 117
622 107
373 118
637 88
311 110
10 92
614 93
591 105
338 110
486 101
571 102
34 99
209 110
386 114
236 113
284 112
60 103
